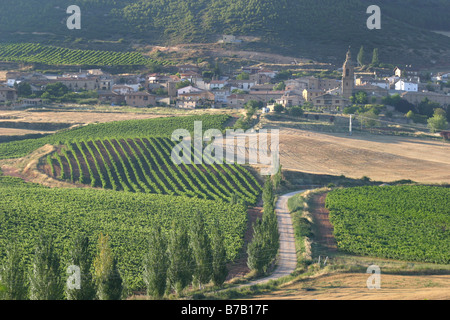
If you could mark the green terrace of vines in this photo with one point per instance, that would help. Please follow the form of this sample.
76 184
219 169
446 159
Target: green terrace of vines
50 55
402 222
27 210
145 165
161 127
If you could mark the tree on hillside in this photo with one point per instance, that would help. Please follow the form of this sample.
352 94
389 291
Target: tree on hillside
106 273
243 76
181 264
156 263
45 280
360 57
183 84
375 58
24 89
201 250
12 275
80 256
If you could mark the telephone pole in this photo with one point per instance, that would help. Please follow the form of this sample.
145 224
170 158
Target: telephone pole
350 128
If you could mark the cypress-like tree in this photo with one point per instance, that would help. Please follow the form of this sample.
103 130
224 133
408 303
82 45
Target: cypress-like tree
81 257
255 249
45 280
181 263
201 250
375 58
155 264
219 257
360 57
106 274
12 275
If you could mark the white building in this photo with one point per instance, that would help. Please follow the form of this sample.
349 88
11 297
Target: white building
403 85
188 89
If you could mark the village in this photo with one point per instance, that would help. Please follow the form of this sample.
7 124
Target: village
191 87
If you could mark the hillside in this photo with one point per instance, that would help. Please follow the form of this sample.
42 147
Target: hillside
320 30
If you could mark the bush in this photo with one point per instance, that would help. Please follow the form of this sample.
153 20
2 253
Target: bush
296 111
278 108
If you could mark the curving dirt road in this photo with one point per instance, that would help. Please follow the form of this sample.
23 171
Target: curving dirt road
287 257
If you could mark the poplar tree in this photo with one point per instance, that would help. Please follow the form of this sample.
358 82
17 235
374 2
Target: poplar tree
360 57
12 275
181 263
219 257
375 58
201 250
156 264
45 280
106 273
255 249
81 257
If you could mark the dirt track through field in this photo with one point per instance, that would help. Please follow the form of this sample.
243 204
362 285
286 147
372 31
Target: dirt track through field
287 257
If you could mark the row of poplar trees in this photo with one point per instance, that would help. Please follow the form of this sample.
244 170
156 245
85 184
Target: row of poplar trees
187 256
263 249
45 282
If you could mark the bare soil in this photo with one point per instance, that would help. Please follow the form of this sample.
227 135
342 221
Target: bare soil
380 157
324 235
353 286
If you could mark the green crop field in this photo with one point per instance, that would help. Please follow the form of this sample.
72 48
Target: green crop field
133 160
145 165
401 222
160 127
27 210
50 55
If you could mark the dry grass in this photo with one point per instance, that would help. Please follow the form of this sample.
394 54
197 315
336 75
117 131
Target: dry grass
353 286
382 158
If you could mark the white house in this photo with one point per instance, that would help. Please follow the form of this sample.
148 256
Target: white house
403 85
188 89
217 84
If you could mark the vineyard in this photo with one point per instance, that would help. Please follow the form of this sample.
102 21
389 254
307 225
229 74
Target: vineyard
402 222
145 165
50 55
27 210
159 127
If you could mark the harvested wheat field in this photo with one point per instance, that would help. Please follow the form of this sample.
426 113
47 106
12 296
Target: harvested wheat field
379 157
353 286
78 117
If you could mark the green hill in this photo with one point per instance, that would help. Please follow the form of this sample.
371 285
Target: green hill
320 29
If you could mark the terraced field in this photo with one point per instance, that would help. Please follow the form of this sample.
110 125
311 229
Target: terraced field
145 165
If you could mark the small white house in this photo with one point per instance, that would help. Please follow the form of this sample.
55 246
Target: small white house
403 85
188 89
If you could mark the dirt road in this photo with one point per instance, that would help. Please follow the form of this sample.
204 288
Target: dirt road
287 259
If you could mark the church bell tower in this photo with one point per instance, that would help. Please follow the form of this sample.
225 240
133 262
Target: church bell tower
348 77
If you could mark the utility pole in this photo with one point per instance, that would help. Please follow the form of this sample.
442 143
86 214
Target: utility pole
350 126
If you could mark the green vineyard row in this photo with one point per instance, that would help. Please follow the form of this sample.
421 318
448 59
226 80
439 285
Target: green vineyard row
27 210
401 222
145 165
50 55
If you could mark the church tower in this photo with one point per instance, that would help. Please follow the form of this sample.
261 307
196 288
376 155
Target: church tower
348 77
